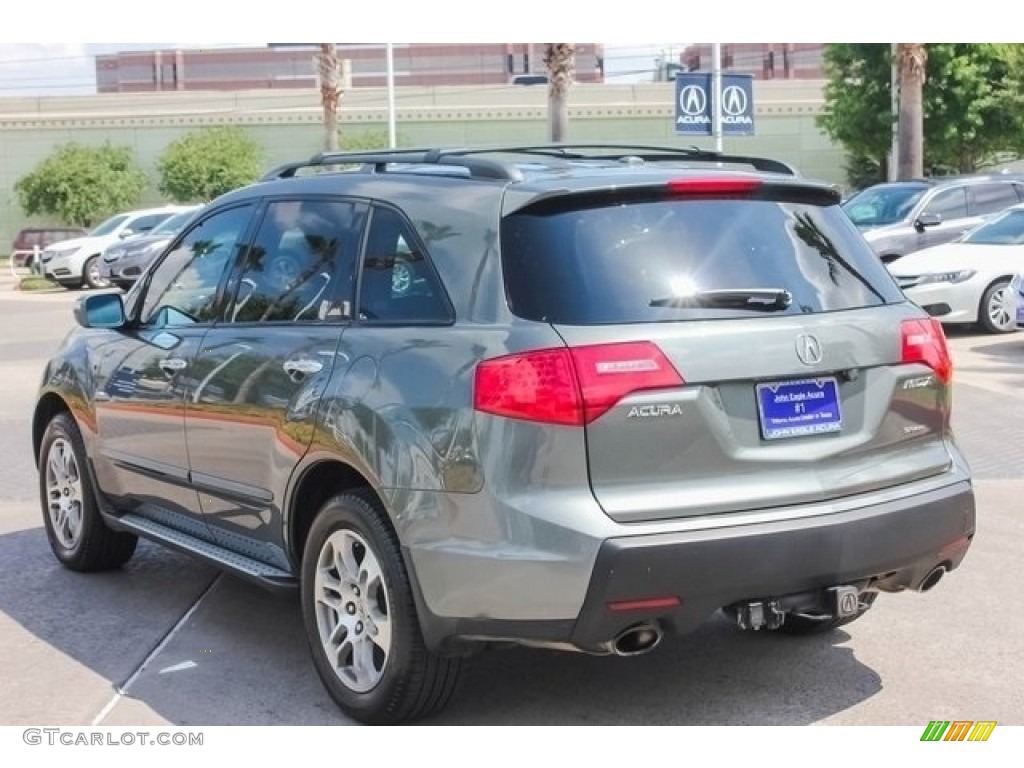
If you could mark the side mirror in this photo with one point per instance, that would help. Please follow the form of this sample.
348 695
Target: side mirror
126 233
928 220
100 310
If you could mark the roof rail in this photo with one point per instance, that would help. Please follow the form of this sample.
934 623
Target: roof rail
644 152
377 161
479 166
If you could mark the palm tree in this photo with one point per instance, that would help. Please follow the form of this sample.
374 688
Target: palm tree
911 58
330 93
560 59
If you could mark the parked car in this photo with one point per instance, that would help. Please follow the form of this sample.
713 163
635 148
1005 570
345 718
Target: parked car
574 397
1017 291
75 263
969 281
901 217
123 262
31 238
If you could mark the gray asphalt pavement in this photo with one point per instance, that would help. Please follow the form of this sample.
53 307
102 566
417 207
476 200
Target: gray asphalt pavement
167 641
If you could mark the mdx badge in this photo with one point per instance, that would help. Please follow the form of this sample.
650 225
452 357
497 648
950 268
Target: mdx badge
808 349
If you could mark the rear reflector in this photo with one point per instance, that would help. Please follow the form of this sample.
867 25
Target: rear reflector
724 185
646 604
923 341
570 385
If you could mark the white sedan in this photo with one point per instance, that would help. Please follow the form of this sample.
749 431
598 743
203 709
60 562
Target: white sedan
969 281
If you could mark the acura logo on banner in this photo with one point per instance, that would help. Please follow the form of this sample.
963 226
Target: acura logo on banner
693 107
695 104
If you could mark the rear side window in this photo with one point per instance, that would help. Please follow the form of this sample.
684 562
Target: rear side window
398 283
688 259
992 198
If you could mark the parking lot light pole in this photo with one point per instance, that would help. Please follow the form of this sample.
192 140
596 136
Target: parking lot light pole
392 140
716 91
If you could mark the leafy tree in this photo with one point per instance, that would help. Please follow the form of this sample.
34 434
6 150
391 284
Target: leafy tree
207 163
81 184
973 100
974 104
367 140
858 107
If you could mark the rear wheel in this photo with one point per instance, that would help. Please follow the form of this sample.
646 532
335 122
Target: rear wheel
78 536
996 313
361 620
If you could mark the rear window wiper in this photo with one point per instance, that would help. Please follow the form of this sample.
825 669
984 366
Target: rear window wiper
758 299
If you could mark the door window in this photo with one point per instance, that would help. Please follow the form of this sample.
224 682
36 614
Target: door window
300 265
183 287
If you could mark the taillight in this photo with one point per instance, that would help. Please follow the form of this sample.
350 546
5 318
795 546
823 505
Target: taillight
536 386
570 385
924 341
714 185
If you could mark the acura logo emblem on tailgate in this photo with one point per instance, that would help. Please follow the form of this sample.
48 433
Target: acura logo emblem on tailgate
808 349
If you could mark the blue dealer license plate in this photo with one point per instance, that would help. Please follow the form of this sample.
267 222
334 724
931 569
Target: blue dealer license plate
798 408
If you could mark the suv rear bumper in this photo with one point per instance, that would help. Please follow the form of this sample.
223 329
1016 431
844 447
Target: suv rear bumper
888 546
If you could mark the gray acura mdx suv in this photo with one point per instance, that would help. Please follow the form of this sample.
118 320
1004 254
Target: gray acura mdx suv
575 397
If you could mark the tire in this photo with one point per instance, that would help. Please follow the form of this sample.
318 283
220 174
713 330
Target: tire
91 273
352 567
78 537
802 625
995 313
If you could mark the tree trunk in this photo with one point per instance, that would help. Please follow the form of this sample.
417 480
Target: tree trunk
911 62
330 93
560 59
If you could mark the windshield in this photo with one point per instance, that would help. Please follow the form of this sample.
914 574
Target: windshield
173 225
108 226
883 204
1007 229
665 260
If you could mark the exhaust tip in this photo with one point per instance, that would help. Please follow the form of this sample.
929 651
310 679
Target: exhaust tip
637 640
934 577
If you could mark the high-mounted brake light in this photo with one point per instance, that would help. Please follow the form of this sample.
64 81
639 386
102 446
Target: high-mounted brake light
923 341
570 385
713 185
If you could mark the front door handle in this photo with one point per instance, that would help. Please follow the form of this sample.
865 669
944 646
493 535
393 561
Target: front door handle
171 365
299 369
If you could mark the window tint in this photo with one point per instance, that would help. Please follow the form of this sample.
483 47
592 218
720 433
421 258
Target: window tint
300 266
949 204
183 287
677 259
397 282
991 198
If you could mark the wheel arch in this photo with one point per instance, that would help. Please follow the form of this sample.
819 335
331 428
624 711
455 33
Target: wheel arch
48 406
315 485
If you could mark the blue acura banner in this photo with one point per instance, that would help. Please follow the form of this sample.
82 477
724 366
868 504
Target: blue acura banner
695 104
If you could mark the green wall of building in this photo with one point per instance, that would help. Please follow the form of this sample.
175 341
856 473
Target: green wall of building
287 125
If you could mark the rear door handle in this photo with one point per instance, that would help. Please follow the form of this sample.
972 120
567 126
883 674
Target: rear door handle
297 369
171 365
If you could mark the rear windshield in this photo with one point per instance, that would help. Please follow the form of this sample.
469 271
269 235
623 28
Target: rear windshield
667 260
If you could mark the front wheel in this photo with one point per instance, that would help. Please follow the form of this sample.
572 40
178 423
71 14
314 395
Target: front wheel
361 621
91 274
996 313
78 536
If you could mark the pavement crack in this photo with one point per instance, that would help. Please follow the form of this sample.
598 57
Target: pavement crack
122 689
